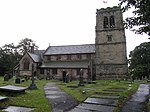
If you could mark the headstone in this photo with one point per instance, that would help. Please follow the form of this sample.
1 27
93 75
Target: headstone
67 78
64 76
18 80
101 101
6 77
33 85
18 109
81 83
94 108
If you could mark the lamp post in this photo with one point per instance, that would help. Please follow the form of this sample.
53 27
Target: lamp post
33 85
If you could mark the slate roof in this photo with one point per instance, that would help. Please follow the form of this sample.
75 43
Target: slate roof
70 49
66 64
39 52
36 58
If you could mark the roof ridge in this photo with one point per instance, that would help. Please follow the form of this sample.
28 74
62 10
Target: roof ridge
71 45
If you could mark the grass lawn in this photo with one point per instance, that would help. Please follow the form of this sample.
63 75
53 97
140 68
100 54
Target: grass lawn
102 87
32 98
37 99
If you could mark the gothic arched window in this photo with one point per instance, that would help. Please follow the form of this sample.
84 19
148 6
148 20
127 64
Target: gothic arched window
105 22
26 64
112 21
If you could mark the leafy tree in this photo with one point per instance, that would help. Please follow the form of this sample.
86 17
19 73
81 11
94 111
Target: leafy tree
25 45
8 58
11 54
140 60
141 15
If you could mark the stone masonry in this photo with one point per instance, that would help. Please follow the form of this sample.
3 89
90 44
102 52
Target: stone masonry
110 43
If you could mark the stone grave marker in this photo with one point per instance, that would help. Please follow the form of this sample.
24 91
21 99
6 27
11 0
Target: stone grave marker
18 109
6 77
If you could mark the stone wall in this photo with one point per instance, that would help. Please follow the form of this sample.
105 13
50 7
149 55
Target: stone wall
110 42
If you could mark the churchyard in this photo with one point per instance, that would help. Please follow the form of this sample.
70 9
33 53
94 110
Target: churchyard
117 91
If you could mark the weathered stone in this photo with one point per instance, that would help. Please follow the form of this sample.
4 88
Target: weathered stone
104 96
2 98
111 56
6 77
79 110
100 101
18 109
11 89
93 107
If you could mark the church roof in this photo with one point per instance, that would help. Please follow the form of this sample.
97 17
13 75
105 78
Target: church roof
36 58
70 49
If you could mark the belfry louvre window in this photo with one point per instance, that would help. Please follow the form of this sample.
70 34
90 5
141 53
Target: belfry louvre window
105 22
112 21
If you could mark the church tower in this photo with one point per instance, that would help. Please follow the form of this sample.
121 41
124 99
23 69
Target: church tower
110 42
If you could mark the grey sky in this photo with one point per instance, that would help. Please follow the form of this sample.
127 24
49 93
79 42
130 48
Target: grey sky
58 22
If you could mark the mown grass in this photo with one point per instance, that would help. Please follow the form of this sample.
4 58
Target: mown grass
36 98
32 98
102 87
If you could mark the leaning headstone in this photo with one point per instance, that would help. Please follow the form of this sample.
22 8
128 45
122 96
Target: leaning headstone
6 77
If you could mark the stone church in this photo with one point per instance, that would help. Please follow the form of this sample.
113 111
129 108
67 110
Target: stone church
106 59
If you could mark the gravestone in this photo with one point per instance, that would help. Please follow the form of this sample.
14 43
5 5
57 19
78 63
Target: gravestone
12 90
81 83
17 80
18 109
33 85
6 77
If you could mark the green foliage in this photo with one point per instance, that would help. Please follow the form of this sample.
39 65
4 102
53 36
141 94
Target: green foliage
140 61
141 15
11 54
25 45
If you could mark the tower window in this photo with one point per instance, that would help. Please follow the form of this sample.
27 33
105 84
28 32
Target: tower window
109 37
112 21
105 24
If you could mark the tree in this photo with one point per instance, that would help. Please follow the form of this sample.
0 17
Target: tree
11 54
141 15
140 60
25 45
8 58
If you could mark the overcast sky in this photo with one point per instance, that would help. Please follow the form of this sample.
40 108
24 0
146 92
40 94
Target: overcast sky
55 22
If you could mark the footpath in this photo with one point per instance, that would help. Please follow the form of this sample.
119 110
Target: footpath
62 102
138 101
